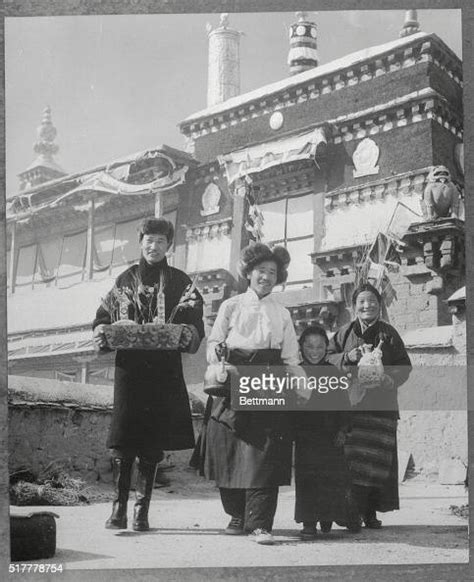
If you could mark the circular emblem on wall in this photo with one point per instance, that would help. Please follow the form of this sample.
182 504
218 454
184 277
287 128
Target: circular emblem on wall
300 30
276 120
313 32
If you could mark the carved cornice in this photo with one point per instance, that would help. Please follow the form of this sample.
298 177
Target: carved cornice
208 230
338 268
288 179
433 52
214 280
215 286
340 264
407 184
403 111
442 244
323 313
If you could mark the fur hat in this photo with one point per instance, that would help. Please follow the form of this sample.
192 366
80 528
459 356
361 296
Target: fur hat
257 253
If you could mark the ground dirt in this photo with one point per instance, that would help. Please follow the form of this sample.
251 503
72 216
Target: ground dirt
187 520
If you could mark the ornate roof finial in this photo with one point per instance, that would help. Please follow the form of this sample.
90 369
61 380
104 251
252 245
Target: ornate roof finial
411 24
46 132
224 20
44 168
303 53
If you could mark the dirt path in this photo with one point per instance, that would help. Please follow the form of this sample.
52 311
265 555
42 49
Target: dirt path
186 534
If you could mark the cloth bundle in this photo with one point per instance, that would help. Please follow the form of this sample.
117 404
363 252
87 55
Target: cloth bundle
370 373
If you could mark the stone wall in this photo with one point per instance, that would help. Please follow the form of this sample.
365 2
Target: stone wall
434 437
419 303
65 423
68 422
74 439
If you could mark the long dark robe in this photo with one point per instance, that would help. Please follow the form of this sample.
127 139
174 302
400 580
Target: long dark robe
151 403
372 449
248 449
322 478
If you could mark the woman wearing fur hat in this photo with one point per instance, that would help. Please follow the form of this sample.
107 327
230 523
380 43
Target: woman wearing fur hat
248 454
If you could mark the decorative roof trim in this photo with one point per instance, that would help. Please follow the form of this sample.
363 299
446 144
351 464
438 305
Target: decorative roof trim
406 110
350 70
80 181
407 183
209 230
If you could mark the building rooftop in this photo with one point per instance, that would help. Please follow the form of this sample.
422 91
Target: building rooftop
44 162
98 178
345 62
459 295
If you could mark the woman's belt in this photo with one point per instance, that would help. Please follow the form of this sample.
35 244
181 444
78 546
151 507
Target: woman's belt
263 357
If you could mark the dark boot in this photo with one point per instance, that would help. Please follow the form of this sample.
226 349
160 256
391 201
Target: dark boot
326 526
122 472
309 531
371 521
143 491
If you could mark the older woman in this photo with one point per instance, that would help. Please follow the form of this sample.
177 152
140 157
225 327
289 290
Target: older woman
372 447
248 454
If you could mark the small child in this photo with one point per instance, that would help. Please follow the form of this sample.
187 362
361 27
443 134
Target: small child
323 486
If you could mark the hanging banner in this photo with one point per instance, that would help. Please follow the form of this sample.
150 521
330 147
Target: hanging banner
107 182
260 157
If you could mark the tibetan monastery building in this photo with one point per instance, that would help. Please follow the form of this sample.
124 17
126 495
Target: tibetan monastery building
336 158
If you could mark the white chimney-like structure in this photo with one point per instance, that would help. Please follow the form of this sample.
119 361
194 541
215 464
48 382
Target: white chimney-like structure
411 24
224 62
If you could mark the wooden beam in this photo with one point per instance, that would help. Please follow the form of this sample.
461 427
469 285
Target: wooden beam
158 204
90 240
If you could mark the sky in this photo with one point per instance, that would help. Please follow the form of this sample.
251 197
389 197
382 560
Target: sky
121 84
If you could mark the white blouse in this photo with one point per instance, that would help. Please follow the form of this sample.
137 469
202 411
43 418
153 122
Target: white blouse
247 322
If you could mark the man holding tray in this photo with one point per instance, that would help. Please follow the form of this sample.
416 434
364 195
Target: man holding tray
151 315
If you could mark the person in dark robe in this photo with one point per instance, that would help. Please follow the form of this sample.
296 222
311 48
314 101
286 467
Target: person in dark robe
151 410
248 453
371 449
322 479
